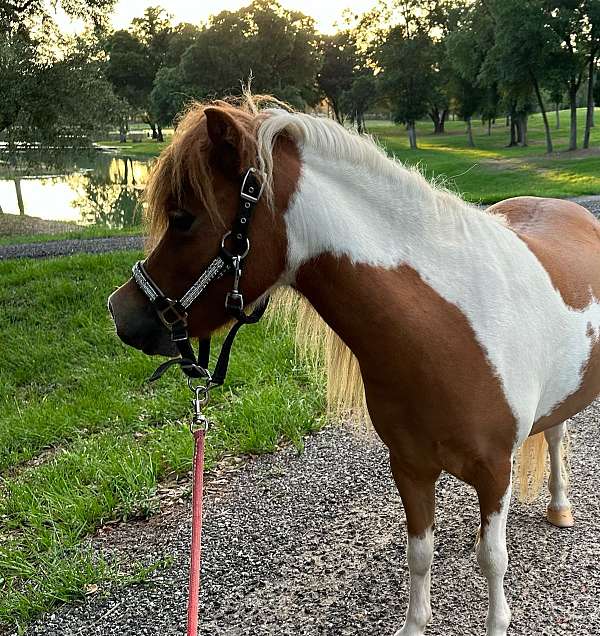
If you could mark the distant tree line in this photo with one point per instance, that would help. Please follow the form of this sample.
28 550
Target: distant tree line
411 58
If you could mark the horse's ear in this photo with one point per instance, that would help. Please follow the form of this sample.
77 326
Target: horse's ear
227 139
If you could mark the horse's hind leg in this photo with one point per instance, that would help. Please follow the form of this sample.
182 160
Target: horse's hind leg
418 497
494 489
559 510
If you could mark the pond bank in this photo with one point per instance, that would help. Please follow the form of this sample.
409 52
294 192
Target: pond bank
17 225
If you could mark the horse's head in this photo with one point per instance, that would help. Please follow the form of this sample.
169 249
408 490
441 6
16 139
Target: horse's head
192 200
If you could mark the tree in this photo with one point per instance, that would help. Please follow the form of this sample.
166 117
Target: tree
523 47
358 98
130 73
567 20
592 12
54 91
340 59
169 95
468 44
407 86
276 46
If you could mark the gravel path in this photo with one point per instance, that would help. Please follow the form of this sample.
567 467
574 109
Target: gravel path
313 544
96 246
70 246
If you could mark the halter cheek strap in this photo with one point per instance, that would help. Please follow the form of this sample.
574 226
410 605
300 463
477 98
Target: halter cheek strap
235 246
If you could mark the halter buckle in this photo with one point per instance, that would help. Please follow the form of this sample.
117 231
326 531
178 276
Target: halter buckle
234 302
172 313
247 191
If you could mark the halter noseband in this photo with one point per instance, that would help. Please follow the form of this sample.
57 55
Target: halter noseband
174 313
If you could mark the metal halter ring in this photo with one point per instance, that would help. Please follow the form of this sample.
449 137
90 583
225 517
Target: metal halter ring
242 255
202 388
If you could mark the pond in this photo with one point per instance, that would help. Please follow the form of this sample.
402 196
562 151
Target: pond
100 189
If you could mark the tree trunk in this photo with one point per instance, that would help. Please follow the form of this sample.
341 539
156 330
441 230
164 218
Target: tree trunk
538 94
159 133
439 119
489 127
523 120
573 109
589 118
443 120
434 116
513 131
336 112
412 134
123 131
19 196
469 132
154 133
557 116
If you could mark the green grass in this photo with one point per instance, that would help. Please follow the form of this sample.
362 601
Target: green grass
84 439
491 172
141 149
94 231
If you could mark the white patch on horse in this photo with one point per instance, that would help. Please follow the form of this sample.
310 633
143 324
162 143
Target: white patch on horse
419 554
492 557
353 201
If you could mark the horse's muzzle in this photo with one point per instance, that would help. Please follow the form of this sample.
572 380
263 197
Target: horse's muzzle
137 324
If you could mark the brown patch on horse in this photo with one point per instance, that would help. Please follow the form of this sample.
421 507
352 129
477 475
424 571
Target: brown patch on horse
565 238
433 397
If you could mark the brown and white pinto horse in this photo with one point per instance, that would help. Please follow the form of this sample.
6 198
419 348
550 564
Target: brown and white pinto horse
470 330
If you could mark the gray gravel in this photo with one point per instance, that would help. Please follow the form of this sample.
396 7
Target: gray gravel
67 247
313 544
96 246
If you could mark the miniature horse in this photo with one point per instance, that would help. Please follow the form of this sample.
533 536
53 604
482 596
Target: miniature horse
470 330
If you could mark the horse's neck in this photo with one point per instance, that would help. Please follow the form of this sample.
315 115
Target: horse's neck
381 220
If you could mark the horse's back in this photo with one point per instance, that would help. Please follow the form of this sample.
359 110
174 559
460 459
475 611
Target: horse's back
565 238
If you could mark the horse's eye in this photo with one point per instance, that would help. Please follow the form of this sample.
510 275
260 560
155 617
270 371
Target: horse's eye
181 220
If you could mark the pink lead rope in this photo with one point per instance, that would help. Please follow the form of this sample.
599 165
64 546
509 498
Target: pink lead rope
195 561
198 428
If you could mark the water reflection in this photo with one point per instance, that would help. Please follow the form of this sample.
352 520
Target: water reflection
103 190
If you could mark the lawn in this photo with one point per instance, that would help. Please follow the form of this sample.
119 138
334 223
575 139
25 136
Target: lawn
84 439
491 171
138 150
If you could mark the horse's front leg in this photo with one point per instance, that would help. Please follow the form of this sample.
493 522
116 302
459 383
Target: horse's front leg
418 497
494 490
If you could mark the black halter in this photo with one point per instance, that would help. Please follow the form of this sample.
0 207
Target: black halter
174 313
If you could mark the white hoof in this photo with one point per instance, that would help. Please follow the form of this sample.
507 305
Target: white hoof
412 629
560 517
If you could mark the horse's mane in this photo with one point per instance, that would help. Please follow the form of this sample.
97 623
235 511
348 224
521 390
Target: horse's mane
184 166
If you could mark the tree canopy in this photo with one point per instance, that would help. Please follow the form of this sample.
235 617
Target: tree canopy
414 58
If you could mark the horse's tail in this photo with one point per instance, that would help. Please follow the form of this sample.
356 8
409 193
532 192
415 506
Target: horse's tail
531 465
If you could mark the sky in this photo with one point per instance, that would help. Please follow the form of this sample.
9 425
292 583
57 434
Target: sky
326 12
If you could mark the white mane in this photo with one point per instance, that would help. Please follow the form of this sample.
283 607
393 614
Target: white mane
332 141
